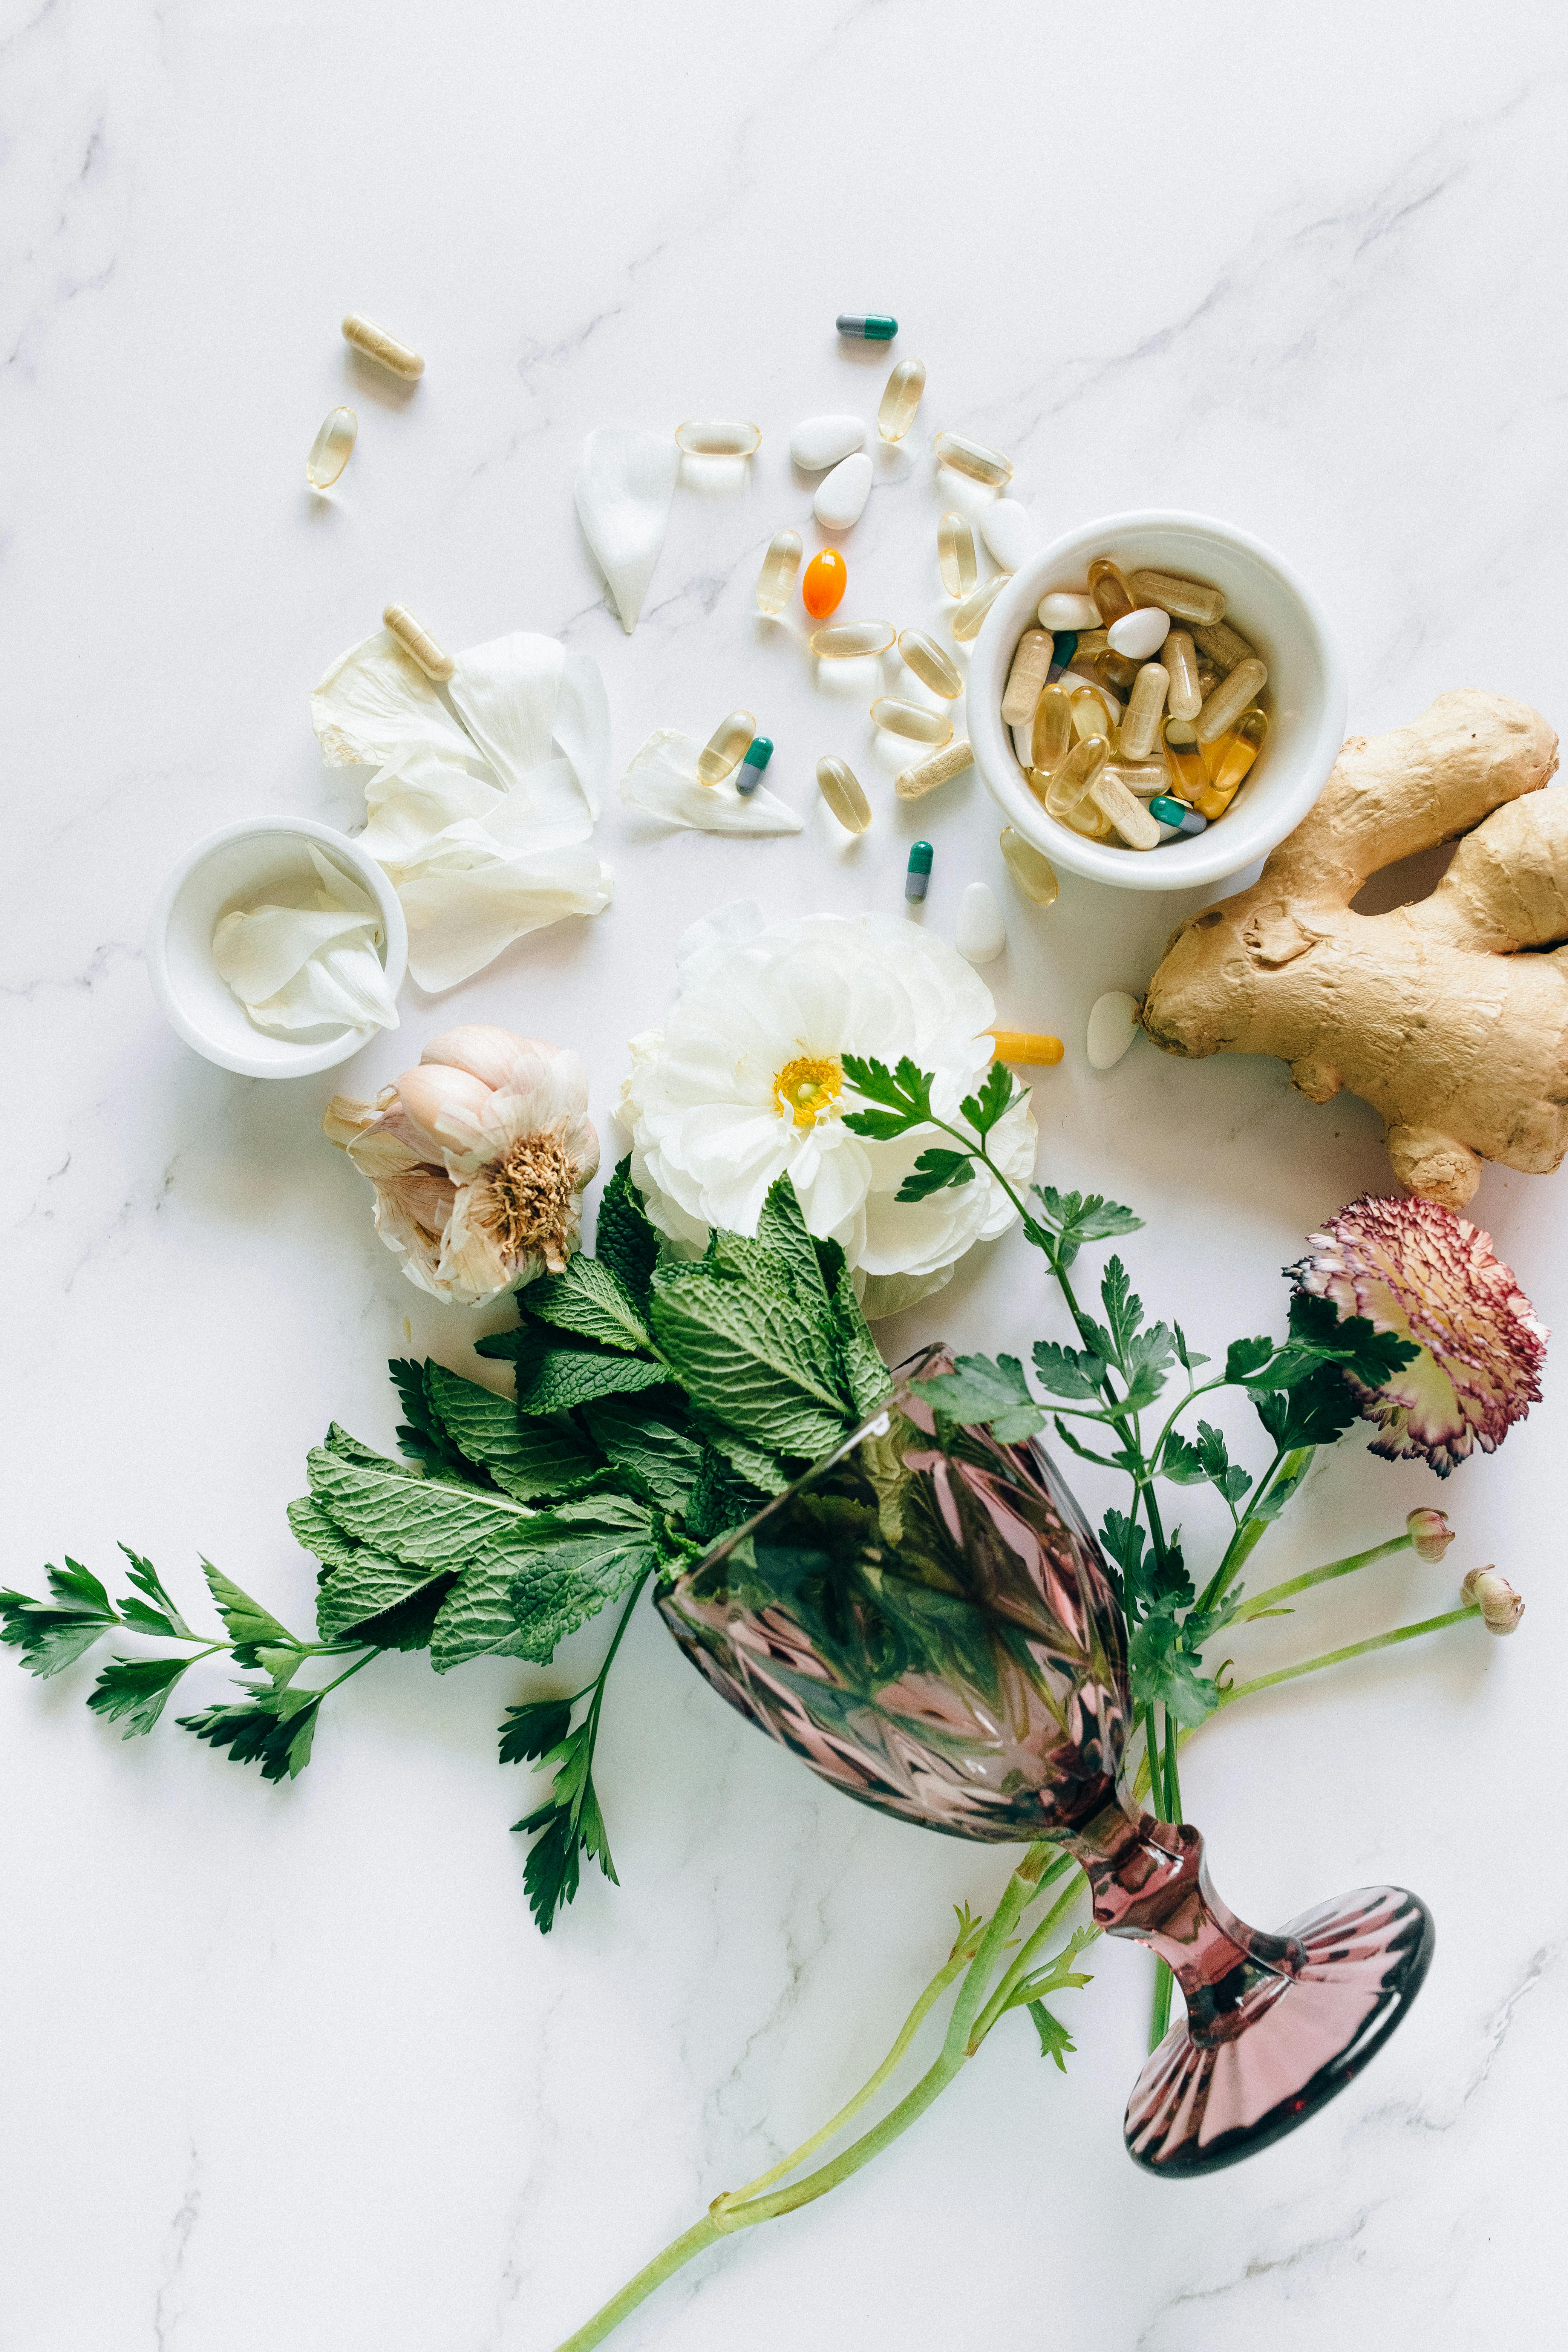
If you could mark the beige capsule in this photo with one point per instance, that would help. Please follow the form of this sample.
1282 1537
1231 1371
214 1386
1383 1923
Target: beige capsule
1031 661
930 663
901 398
720 755
419 643
911 719
955 556
1180 659
719 438
1031 869
939 769
1145 708
1184 600
973 458
378 345
1143 777
841 788
1230 698
1222 646
1133 821
332 449
850 640
776 581
968 619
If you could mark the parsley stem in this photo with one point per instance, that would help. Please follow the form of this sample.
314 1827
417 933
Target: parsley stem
1271 1598
999 1999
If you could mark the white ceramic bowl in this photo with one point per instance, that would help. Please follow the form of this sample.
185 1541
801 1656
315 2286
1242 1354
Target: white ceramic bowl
223 871
1305 695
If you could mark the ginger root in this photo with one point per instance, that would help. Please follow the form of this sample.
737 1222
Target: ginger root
1438 1015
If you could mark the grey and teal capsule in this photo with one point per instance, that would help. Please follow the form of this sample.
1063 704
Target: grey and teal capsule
1173 811
760 752
1064 645
878 328
918 878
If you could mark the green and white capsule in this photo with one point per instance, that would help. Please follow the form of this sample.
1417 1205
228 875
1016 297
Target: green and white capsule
749 774
1176 813
876 327
918 878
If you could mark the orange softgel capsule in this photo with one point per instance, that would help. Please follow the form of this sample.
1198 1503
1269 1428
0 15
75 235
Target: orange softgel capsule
826 578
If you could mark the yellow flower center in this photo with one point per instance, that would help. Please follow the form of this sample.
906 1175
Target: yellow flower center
806 1089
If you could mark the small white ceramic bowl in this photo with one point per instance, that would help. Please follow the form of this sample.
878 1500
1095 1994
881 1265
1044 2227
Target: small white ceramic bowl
225 870
1305 696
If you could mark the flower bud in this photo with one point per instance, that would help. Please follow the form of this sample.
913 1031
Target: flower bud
1499 1603
1430 1534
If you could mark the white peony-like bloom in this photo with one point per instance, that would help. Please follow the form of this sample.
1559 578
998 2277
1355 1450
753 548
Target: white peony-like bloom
746 1083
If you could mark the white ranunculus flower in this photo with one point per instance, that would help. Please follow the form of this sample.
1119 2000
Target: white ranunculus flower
745 1084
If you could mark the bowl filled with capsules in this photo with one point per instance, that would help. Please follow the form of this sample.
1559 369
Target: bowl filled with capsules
1156 701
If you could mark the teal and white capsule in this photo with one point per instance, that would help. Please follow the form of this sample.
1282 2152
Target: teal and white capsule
1177 813
917 879
877 327
749 774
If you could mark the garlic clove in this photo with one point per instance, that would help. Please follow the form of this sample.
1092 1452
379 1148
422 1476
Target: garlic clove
434 1095
484 1051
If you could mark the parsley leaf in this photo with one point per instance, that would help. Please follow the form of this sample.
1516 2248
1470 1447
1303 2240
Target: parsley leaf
135 1690
985 1388
161 1616
1073 1218
905 1092
530 1731
52 1635
1165 1668
934 1172
994 1101
272 1728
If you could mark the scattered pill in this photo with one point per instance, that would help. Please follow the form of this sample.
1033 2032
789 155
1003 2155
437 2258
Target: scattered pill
1125 810
1221 646
973 458
1184 600
1112 595
941 767
970 615
841 789
956 559
749 775
1031 869
376 344
1112 1026
1145 709
1030 1047
1051 736
875 328
848 640
776 581
720 438
1031 660
841 495
822 441
827 577
1072 780
917 878
1010 532
1176 813
901 398
1060 610
416 640
1181 660
911 719
1230 698
1140 635
332 449
724 747
981 934
930 663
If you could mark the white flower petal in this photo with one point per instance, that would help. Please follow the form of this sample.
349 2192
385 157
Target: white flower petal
582 726
464 906
546 810
306 957
662 781
376 701
413 799
889 1294
505 694
624 487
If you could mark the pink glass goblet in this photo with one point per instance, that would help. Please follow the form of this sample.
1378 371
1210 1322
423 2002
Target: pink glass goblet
927 1620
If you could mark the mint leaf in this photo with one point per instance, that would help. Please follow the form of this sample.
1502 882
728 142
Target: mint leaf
320 1534
985 1388
625 1240
865 1376
577 1569
719 1501
530 1731
422 1437
356 1601
755 1466
662 1463
591 1300
565 1377
134 1690
349 1449
53 1635
752 1359
525 1459
782 1229
934 1172
424 1521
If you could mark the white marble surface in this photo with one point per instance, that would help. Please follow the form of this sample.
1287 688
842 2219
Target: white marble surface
291 2066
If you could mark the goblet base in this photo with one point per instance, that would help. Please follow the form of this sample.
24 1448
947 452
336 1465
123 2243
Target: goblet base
1213 2093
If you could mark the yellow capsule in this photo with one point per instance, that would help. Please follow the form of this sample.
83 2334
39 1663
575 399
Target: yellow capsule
930 663
376 344
415 641
1188 763
911 719
721 752
971 614
1030 868
846 640
1085 816
1091 644
901 398
1145 777
1029 1046
973 459
776 581
1236 751
1112 597
1077 772
1221 646
1116 670
1052 738
1091 714
332 449
840 788
721 438
1180 659
1230 698
1184 600
1133 821
956 559
1031 663
1145 708
941 767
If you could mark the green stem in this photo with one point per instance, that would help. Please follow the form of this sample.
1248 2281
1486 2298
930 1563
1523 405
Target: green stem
1252 1530
1276 1593
1352 1650
1160 2013
998 2004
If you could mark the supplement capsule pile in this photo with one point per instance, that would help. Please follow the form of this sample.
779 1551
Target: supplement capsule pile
1141 702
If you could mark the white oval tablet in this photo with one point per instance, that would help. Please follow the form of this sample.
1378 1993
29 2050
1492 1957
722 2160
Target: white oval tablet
1010 533
841 495
982 934
822 441
1138 636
